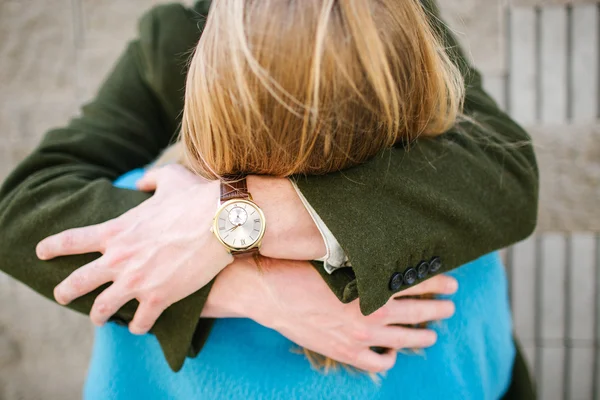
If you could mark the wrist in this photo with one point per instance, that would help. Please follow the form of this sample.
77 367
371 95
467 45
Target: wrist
242 291
291 232
210 191
228 296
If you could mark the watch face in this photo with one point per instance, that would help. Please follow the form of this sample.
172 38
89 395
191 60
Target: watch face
239 224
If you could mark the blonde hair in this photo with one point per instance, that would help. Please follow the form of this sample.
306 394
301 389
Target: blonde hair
283 87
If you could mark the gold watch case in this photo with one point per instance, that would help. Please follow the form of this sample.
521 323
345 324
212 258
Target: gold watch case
215 225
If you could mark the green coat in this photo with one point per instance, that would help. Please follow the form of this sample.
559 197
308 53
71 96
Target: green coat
455 197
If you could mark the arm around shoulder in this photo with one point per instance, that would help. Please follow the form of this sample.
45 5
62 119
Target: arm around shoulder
410 213
67 181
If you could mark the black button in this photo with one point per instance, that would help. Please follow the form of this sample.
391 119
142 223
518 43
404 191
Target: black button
410 276
396 281
435 264
422 270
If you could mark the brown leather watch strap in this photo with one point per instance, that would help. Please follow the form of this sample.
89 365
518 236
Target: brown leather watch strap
251 251
234 190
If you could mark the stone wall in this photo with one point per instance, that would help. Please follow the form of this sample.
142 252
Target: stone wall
53 55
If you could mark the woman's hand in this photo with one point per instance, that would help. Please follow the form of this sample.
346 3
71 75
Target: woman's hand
158 253
292 298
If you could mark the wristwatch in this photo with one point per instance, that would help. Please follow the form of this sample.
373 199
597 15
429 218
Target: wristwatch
239 223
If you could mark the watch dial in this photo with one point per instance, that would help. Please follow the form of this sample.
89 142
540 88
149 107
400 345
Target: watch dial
240 224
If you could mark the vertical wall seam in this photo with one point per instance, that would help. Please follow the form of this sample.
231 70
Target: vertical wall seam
596 345
570 83
567 317
79 43
538 297
538 64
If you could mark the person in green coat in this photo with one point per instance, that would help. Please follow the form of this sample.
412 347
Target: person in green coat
454 197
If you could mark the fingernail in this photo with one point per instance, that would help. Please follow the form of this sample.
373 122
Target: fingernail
431 338
138 332
451 310
452 286
60 297
40 252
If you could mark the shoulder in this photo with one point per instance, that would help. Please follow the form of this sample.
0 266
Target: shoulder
170 30
167 36
174 22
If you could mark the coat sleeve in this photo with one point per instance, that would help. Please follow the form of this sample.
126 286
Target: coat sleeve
67 182
411 213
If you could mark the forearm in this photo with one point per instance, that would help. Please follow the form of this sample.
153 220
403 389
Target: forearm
291 232
245 290
67 183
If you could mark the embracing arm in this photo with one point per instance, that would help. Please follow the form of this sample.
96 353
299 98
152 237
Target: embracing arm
453 198
320 322
67 181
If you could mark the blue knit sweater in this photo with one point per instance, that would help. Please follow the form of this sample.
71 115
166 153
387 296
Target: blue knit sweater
241 359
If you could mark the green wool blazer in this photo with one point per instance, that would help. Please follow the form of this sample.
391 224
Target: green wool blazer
453 198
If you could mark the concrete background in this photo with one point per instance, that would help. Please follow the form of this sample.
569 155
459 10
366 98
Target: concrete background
54 54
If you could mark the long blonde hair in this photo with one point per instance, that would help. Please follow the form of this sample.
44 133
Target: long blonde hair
283 87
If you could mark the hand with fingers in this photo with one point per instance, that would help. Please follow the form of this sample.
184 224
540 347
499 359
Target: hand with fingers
310 315
158 253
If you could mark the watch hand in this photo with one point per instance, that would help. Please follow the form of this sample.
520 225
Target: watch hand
233 229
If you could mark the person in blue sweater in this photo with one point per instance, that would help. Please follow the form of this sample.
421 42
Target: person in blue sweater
274 92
